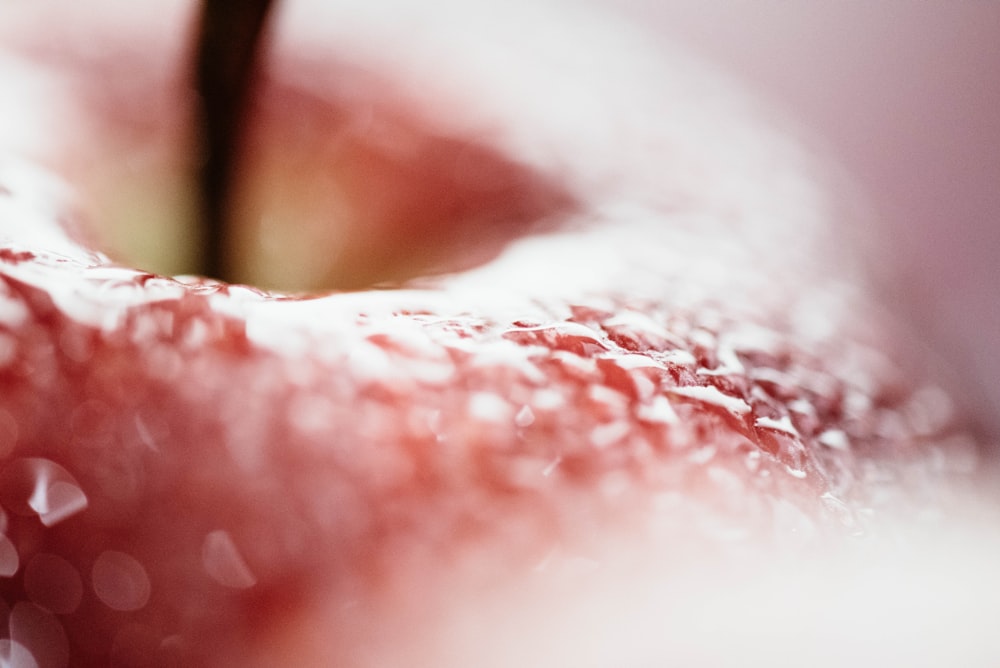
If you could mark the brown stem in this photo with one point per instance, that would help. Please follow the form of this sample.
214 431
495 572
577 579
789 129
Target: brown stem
228 45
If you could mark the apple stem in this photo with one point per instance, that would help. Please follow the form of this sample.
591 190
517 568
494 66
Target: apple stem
227 52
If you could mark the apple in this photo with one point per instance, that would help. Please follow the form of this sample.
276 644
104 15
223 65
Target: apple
626 345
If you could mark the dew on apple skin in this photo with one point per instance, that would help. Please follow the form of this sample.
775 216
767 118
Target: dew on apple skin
632 361
835 439
836 507
13 312
551 467
606 385
525 417
795 472
15 655
223 562
401 369
120 581
59 501
711 395
634 330
38 486
783 425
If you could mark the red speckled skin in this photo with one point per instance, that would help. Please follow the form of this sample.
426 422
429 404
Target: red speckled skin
367 490
403 453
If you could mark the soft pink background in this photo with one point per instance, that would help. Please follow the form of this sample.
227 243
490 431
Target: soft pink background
906 94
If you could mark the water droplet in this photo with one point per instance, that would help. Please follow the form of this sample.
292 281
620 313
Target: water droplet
15 655
784 425
13 312
434 421
120 581
9 559
53 583
145 433
35 486
57 502
224 563
551 467
633 361
41 634
525 417
838 509
795 473
834 438
711 395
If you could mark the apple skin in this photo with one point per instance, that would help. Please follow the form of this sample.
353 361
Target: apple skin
682 371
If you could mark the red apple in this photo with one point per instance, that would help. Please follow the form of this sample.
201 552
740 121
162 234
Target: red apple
640 348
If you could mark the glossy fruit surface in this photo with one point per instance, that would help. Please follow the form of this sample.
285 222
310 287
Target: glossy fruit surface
680 366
